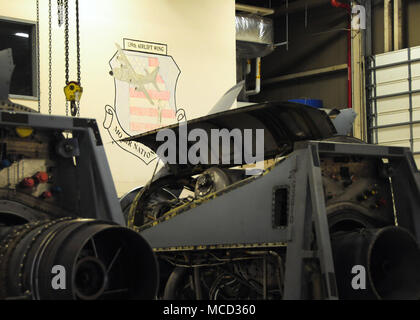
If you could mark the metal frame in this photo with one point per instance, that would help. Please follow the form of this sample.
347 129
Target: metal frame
240 216
88 186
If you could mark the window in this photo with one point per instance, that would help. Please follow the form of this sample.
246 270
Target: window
20 36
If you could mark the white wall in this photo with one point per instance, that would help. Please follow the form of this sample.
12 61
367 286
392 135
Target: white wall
200 36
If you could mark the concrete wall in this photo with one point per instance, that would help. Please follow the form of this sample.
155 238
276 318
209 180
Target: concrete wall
200 36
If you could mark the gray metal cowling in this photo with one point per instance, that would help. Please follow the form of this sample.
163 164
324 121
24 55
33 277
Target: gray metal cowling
101 261
390 256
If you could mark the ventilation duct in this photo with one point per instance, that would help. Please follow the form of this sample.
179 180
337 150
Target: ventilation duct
254 36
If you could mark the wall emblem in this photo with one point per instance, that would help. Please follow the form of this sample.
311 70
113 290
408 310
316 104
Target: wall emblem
145 80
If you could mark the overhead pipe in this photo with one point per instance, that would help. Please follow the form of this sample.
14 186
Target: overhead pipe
338 4
304 74
257 78
261 11
248 66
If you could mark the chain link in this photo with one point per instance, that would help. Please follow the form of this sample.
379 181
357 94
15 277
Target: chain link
78 42
60 5
37 58
66 38
49 58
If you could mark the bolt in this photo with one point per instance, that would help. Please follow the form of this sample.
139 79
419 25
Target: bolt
68 148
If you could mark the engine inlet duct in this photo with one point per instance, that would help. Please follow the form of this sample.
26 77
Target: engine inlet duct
390 257
100 261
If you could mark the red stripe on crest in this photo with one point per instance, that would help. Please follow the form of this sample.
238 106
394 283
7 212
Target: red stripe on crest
153 62
152 112
154 95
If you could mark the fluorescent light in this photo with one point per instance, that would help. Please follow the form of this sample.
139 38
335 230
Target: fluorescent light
21 34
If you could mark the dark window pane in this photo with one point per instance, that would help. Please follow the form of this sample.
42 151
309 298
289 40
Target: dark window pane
18 37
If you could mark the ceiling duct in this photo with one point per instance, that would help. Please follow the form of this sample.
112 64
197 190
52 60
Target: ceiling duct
254 36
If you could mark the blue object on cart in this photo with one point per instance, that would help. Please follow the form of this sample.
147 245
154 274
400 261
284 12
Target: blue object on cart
309 102
5 164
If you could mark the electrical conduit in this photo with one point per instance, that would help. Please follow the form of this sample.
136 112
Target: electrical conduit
339 4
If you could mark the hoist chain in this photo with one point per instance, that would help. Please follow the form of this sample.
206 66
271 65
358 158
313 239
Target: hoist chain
66 38
78 53
49 58
73 90
37 58
60 5
78 42
66 46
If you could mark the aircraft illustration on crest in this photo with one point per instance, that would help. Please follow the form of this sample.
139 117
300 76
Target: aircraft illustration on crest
127 73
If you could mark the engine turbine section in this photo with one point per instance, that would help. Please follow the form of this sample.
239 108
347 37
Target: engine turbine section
212 180
392 259
99 260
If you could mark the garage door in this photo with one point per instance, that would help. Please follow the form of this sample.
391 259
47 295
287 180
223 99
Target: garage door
393 99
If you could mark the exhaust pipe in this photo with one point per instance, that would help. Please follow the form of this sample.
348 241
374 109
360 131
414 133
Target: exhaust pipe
390 256
96 260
